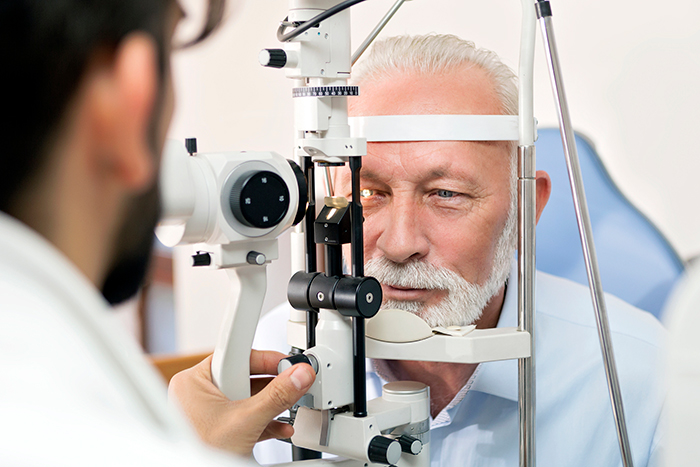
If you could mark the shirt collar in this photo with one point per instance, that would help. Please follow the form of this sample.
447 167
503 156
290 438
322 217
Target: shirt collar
501 378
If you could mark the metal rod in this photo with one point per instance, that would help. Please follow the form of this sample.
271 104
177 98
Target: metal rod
357 239
359 380
309 243
585 231
358 270
526 301
327 181
307 166
526 235
334 260
375 32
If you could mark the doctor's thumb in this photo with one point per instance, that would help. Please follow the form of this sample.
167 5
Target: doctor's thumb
286 389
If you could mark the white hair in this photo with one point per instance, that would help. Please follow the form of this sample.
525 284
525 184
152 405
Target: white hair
434 54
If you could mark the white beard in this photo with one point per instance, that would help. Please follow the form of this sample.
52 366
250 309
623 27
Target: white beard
465 301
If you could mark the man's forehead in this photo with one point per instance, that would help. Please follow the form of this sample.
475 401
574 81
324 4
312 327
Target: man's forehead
461 90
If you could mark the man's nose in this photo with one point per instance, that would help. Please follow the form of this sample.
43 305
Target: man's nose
402 237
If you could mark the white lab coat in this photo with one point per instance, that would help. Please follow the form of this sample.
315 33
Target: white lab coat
75 389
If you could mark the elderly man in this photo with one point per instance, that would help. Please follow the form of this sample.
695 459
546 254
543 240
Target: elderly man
88 101
440 226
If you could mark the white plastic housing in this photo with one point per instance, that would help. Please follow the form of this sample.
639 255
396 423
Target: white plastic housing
333 352
195 191
349 436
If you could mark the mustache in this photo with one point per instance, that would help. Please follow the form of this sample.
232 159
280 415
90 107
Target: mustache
414 275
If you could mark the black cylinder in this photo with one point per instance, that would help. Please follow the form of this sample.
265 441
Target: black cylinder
410 445
273 58
358 296
384 450
191 145
321 292
298 290
293 360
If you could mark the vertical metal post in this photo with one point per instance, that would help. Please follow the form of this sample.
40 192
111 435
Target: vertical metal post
309 244
526 236
526 300
585 231
358 270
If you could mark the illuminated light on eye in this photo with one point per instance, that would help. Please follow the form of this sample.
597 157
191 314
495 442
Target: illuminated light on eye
365 193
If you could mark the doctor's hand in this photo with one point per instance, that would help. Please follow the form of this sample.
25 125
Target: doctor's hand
236 426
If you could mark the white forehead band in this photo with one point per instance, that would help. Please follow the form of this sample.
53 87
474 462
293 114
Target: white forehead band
403 128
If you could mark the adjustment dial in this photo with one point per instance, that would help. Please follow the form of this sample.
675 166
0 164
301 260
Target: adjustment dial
259 199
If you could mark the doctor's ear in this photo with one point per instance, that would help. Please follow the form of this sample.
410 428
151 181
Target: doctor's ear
122 93
544 189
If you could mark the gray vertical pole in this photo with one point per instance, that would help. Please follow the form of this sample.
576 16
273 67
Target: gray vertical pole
526 235
585 231
526 300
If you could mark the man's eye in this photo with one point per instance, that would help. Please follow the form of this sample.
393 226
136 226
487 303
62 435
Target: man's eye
446 194
366 193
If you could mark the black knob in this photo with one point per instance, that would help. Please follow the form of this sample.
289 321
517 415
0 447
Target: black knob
410 445
256 258
202 258
384 450
191 145
358 296
294 359
259 199
298 290
274 58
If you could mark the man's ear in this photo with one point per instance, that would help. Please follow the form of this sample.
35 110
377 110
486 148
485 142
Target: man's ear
544 189
123 96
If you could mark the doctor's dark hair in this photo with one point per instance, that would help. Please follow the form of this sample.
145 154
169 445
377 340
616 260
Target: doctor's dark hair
45 48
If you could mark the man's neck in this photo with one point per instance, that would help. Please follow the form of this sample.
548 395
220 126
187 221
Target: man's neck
446 379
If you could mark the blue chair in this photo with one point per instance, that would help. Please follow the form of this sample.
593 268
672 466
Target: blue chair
636 261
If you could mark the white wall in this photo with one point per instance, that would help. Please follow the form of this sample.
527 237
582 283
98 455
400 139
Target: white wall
630 68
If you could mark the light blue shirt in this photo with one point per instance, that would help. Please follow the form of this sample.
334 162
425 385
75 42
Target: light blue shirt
575 425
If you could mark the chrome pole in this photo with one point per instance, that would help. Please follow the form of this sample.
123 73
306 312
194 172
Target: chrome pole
584 226
375 32
526 234
526 300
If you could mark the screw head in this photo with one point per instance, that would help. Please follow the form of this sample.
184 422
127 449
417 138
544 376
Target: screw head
320 296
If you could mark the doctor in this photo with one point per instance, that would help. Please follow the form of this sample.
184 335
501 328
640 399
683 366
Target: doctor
87 101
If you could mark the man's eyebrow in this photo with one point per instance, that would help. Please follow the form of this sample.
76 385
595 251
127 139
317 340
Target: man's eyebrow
435 174
370 176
